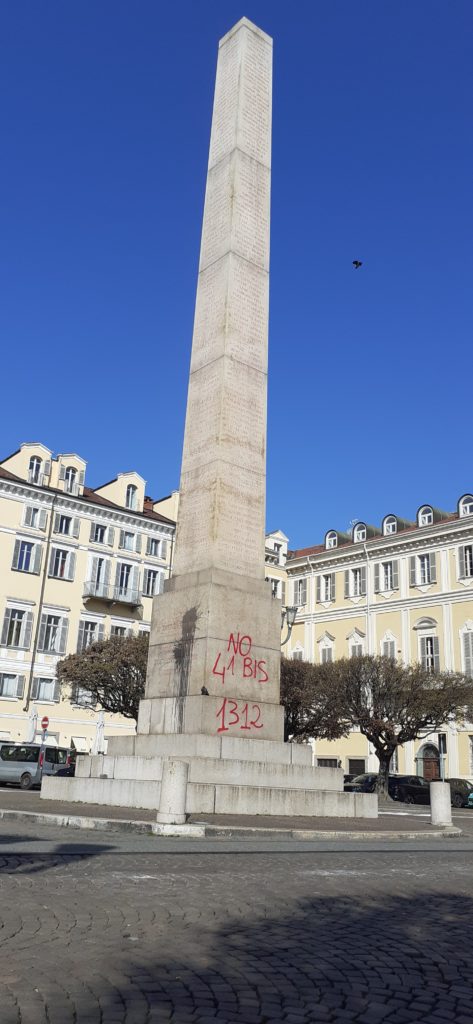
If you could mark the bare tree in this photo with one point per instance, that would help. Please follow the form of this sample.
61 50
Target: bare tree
113 672
390 703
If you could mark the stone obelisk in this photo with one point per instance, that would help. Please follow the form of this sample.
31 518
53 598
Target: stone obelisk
215 635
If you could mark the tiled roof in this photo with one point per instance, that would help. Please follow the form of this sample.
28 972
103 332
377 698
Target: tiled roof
91 497
315 550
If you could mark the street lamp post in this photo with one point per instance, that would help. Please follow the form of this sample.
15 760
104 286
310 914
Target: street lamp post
289 614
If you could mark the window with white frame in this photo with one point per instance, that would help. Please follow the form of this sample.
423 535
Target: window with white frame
422 569
466 505
70 478
390 525
425 516
326 654
359 533
325 587
118 630
467 644
355 581
300 592
129 541
152 582
34 517
331 539
11 686
124 577
52 633
98 533
153 547
82 697
356 649
62 564
34 470
131 496
465 562
63 524
44 689
90 632
429 652
298 655
17 629
388 648
27 556
386 576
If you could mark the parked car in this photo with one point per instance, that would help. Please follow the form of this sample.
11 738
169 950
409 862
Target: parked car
410 789
366 783
68 771
26 763
461 789
348 778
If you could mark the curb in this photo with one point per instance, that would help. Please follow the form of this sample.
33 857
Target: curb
200 830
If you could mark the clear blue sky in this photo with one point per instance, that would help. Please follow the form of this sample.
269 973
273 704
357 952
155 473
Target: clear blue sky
106 109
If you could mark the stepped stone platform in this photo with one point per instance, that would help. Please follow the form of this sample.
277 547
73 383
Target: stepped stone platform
227 775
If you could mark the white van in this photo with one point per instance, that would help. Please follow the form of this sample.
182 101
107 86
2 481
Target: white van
26 763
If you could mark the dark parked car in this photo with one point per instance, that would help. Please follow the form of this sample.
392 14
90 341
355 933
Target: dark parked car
366 783
411 789
68 771
460 791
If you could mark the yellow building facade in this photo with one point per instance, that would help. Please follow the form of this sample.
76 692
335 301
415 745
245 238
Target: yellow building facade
77 565
403 589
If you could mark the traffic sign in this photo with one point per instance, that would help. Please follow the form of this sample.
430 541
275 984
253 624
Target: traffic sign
45 722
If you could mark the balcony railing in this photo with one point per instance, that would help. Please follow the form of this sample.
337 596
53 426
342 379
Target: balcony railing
112 595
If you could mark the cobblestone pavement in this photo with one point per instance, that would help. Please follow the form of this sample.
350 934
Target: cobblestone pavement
119 929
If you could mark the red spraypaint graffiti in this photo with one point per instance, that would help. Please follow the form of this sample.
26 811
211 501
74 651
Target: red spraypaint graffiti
246 716
240 662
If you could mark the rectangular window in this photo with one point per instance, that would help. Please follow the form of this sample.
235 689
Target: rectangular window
468 653
275 588
11 685
387 575
297 655
118 631
82 697
64 525
88 634
151 582
300 592
424 569
466 561
124 578
25 557
429 653
128 541
326 587
356 650
327 762
326 654
153 547
51 632
61 564
98 533
356 583
15 627
45 689
389 649
356 765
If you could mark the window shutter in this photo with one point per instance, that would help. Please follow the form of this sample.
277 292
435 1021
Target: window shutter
43 518
71 565
47 468
122 539
148 545
107 567
145 582
100 631
347 583
468 653
332 587
135 580
62 472
461 563
423 651
376 578
20 686
164 548
317 589
56 522
38 554
436 654
34 689
62 640
28 515
27 629
389 649
363 579
433 567
81 478
6 625
42 631
92 531
117 574
56 691
283 589
80 638
111 536
95 563
75 527
304 592
51 562
138 543
396 575
412 571
16 554
160 583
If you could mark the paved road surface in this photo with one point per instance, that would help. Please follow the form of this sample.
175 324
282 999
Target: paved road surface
107 928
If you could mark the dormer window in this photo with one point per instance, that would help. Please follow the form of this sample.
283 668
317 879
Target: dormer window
331 539
359 533
425 516
390 525
34 470
131 496
70 477
466 505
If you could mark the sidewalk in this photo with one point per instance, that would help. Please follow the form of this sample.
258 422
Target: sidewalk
15 804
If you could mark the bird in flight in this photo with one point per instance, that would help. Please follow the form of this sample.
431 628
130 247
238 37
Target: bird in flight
357 264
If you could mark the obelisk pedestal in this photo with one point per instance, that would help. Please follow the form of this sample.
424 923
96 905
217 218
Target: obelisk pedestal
212 689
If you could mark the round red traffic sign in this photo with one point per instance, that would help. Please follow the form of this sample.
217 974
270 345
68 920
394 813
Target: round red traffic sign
45 722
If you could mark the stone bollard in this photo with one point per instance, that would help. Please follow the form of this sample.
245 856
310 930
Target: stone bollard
440 803
172 802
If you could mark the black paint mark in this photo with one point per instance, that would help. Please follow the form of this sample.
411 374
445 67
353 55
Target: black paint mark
183 651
